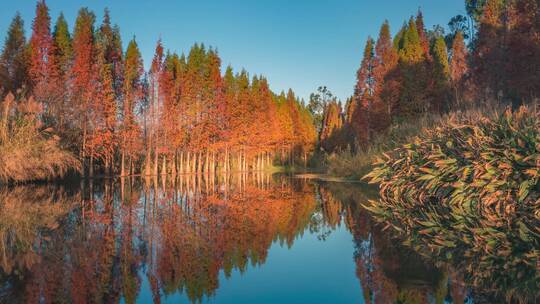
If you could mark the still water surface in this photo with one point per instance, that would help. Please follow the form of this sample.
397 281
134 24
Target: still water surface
241 239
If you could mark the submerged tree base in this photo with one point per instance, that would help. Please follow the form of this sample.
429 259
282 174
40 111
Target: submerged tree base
468 192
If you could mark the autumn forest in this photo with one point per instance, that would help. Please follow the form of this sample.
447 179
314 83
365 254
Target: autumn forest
183 115
93 103
181 179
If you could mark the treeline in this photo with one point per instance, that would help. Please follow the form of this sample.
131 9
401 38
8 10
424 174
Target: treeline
418 72
182 116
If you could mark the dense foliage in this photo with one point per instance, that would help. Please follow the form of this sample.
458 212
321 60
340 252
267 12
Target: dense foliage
420 72
28 151
469 191
183 115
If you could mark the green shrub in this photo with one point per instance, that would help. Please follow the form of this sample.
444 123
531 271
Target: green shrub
468 191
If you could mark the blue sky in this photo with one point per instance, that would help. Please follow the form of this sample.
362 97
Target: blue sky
295 43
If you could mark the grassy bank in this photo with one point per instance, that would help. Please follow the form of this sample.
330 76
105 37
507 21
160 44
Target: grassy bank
355 165
468 191
27 151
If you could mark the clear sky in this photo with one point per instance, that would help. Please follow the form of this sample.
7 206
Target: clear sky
295 43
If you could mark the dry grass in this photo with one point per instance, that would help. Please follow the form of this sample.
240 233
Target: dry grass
27 213
28 153
353 165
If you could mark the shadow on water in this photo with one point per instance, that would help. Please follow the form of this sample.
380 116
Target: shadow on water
117 240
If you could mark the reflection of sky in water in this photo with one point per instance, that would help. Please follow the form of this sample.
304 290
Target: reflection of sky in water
311 271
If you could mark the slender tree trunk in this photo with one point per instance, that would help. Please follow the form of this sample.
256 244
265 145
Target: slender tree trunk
164 165
213 167
206 162
91 168
83 153
181 162
243 161
226 163
188 162
147 160
173 165
156 162
200 163
239 161
123 164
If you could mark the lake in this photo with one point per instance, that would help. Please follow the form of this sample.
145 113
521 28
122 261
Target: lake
248 238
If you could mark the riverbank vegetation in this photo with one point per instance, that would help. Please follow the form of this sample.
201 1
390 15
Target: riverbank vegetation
418 77
468 192
459 175
28 150
183 115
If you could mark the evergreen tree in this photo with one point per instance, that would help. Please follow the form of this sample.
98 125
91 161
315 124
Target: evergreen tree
522 69
386 78
458 67
64 55
132 95
108 38
413 73
411 50
361 120
420 28
41 46
102 142
43 65
13 60
63 44
489 51
441 74
83 78
332 123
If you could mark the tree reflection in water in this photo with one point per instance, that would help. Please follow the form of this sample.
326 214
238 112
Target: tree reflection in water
101 242
388 272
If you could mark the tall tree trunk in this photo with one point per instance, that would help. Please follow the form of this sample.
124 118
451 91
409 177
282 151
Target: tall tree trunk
91 168
173 165
164 165
227 160
156 161
213 167
199 163
206 162
123 164
188 162
181 162
147 160
83 153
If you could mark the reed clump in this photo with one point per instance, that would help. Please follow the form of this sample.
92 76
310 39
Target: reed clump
468 191
28 151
